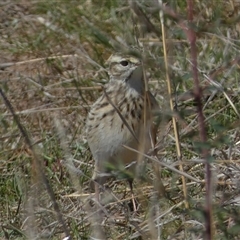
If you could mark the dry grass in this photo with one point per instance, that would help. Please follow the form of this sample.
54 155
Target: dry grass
52 67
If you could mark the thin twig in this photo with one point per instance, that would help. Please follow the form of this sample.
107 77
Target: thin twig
166 165
175 127
10 64
38 165
191 35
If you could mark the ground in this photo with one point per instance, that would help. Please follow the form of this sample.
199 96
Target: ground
52 67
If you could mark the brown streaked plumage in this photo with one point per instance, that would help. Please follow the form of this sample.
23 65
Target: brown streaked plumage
117 117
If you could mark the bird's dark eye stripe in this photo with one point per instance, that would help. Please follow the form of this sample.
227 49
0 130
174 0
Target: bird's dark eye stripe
124 63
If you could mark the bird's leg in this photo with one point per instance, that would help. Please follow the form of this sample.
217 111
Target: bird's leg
99 188
97 191
130 181
94 186
98 213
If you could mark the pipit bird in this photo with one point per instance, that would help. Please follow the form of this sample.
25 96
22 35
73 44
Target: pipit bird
121 120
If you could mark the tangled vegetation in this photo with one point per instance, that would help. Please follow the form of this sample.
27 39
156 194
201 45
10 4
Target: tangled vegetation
52 67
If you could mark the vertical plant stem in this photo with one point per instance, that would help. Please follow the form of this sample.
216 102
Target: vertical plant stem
37 165
202 128
175 126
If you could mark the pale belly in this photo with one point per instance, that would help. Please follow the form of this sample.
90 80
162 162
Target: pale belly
109 149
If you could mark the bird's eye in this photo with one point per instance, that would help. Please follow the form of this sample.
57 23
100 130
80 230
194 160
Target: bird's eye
124 63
